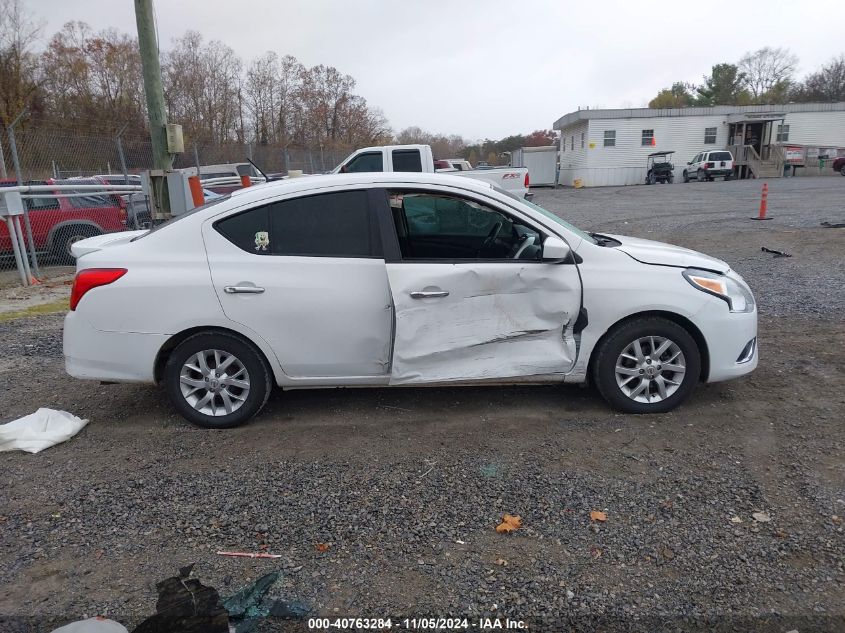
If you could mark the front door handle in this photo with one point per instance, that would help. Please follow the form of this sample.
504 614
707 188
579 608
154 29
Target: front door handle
428 294
246 290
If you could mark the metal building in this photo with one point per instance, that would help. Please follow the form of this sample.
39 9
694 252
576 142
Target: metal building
610 147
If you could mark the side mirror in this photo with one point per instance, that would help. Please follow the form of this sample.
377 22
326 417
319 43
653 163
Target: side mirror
689 162
555 250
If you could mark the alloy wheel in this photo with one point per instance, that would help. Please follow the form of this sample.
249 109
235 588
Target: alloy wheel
214 382
650 369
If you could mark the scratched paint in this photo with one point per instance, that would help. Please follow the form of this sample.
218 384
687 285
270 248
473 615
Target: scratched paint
499 320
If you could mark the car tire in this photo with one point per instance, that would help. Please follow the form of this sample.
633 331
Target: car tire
665 387
686 176
650 180
66 237
670 179
202 395
700 176
842 171
728 177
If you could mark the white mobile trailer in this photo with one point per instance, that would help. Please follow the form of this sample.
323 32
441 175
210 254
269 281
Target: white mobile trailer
541 163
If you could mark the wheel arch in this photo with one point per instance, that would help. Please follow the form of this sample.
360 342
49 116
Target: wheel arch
174 341
680 320
61 226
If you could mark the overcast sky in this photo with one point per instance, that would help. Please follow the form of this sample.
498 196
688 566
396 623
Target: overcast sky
489 68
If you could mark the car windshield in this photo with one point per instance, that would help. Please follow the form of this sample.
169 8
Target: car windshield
569 227
217 200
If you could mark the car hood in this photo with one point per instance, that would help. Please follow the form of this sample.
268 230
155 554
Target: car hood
651 252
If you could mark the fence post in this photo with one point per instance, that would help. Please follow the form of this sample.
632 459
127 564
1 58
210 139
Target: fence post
122 156
14 149
311 160
3 173
286 159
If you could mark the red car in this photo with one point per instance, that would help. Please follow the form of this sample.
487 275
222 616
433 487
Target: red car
839 165
59 222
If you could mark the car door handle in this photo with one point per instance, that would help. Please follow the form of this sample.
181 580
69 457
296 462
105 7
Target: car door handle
246 290
428 294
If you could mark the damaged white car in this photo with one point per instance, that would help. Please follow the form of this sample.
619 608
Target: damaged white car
377 279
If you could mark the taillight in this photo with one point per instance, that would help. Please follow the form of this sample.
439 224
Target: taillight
709 165
526 180
90 278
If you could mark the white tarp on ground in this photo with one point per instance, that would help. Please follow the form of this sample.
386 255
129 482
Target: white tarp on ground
92 625
37 431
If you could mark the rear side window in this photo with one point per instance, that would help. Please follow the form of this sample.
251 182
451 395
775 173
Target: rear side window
720 156
371 161
407 160
326 225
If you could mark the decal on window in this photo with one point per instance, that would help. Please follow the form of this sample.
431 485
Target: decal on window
262 240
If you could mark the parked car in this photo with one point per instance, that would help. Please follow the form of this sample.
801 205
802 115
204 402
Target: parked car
57 222
443 166
839 165
418 158
224 170
460 164
709 165
380 279
138 209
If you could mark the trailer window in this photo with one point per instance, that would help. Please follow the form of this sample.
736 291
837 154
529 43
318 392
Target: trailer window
648 137
709 136
610 138
783 134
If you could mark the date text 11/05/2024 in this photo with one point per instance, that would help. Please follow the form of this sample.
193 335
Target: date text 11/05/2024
412 624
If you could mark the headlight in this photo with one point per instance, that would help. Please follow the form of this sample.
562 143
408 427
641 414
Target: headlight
735 293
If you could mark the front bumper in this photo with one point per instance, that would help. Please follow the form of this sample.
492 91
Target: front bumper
111 356
728 336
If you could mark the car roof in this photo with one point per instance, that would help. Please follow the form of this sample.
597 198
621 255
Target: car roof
305 183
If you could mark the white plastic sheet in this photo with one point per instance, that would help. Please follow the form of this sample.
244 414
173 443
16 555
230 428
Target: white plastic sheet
37 431
92 625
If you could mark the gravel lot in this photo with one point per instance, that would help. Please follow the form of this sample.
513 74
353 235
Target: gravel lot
406 486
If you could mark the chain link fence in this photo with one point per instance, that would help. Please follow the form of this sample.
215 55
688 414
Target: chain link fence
55 219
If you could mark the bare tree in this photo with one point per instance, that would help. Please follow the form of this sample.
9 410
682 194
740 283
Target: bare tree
19 80
826 84
768 72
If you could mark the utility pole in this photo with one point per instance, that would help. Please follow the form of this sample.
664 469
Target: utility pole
156 111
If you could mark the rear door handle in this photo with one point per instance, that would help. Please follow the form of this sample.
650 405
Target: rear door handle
246 290
428 294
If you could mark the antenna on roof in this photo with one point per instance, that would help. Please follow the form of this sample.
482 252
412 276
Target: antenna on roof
261 171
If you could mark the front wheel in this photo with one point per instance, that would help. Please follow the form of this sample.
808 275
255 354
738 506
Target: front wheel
686 176
647 365
217 380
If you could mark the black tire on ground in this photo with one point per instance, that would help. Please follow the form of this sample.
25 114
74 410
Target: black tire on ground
620 337
259 375
700 176
728 177
842 171
67 236
670 179
649 179
686 176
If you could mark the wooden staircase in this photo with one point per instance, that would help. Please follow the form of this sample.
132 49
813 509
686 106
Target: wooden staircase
770 165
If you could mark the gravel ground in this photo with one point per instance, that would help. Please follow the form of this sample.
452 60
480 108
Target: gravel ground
406 486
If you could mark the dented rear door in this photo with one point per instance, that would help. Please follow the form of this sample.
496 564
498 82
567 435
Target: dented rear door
482 320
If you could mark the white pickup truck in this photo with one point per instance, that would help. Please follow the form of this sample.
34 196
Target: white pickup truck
419 158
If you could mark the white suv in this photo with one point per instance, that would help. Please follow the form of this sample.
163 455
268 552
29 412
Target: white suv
708 165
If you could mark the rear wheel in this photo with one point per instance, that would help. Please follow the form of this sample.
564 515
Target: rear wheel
217 380
68 236
647 365
700 176
842 171
728 177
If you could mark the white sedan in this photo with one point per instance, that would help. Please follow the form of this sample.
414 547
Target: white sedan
375 280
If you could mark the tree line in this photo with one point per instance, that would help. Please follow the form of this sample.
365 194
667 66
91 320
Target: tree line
490 151
763 76
93 80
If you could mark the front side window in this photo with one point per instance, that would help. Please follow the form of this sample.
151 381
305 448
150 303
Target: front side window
610 138
648 137
41 202
406 160
433 226
709 136
335 224
370 161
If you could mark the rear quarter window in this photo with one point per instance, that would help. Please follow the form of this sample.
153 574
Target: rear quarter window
720 156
